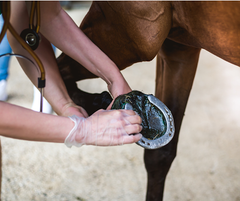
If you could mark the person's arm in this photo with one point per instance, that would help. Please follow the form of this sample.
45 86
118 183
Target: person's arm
103 128
55 90
72 41
20 123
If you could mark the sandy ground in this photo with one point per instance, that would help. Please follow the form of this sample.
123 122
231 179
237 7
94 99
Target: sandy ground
206 168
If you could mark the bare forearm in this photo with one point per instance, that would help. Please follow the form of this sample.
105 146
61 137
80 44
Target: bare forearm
20 123
71 40
55 90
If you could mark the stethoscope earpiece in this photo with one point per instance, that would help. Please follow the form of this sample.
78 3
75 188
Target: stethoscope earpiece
31 38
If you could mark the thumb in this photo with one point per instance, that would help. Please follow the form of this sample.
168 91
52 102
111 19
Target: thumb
110 105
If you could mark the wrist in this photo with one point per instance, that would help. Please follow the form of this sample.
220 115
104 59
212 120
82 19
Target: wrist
76 135
119 87
70 109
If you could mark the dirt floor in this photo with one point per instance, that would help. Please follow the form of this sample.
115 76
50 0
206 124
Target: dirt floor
207 163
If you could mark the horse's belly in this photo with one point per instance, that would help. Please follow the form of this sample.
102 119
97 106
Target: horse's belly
214 26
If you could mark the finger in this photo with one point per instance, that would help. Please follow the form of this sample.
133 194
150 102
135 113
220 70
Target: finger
135 119
128 112
133 128
83 111
120 137
131 138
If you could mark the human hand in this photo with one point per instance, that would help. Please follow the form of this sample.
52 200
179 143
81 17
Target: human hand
118 88
105 128
71 109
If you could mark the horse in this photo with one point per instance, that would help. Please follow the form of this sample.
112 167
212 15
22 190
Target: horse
174 33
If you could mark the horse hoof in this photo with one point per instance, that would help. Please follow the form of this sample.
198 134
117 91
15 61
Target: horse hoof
157 120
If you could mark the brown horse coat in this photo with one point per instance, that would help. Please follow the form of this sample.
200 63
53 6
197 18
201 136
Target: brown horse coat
175 32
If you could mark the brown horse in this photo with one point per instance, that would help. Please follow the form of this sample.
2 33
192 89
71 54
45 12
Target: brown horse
130 32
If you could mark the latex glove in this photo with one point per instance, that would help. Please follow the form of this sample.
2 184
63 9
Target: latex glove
105 128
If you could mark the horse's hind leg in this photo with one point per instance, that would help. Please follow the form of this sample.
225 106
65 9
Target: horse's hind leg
176 67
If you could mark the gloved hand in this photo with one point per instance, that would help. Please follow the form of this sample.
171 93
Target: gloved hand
105 128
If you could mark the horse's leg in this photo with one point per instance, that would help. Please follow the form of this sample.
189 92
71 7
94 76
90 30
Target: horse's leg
71 71
176 67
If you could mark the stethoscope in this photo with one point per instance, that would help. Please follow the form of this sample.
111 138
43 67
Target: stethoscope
30 35
29 39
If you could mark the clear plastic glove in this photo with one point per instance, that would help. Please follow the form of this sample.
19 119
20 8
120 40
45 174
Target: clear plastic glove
105 128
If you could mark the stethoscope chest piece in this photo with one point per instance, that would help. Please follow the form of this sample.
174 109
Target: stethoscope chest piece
31 38
157 120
